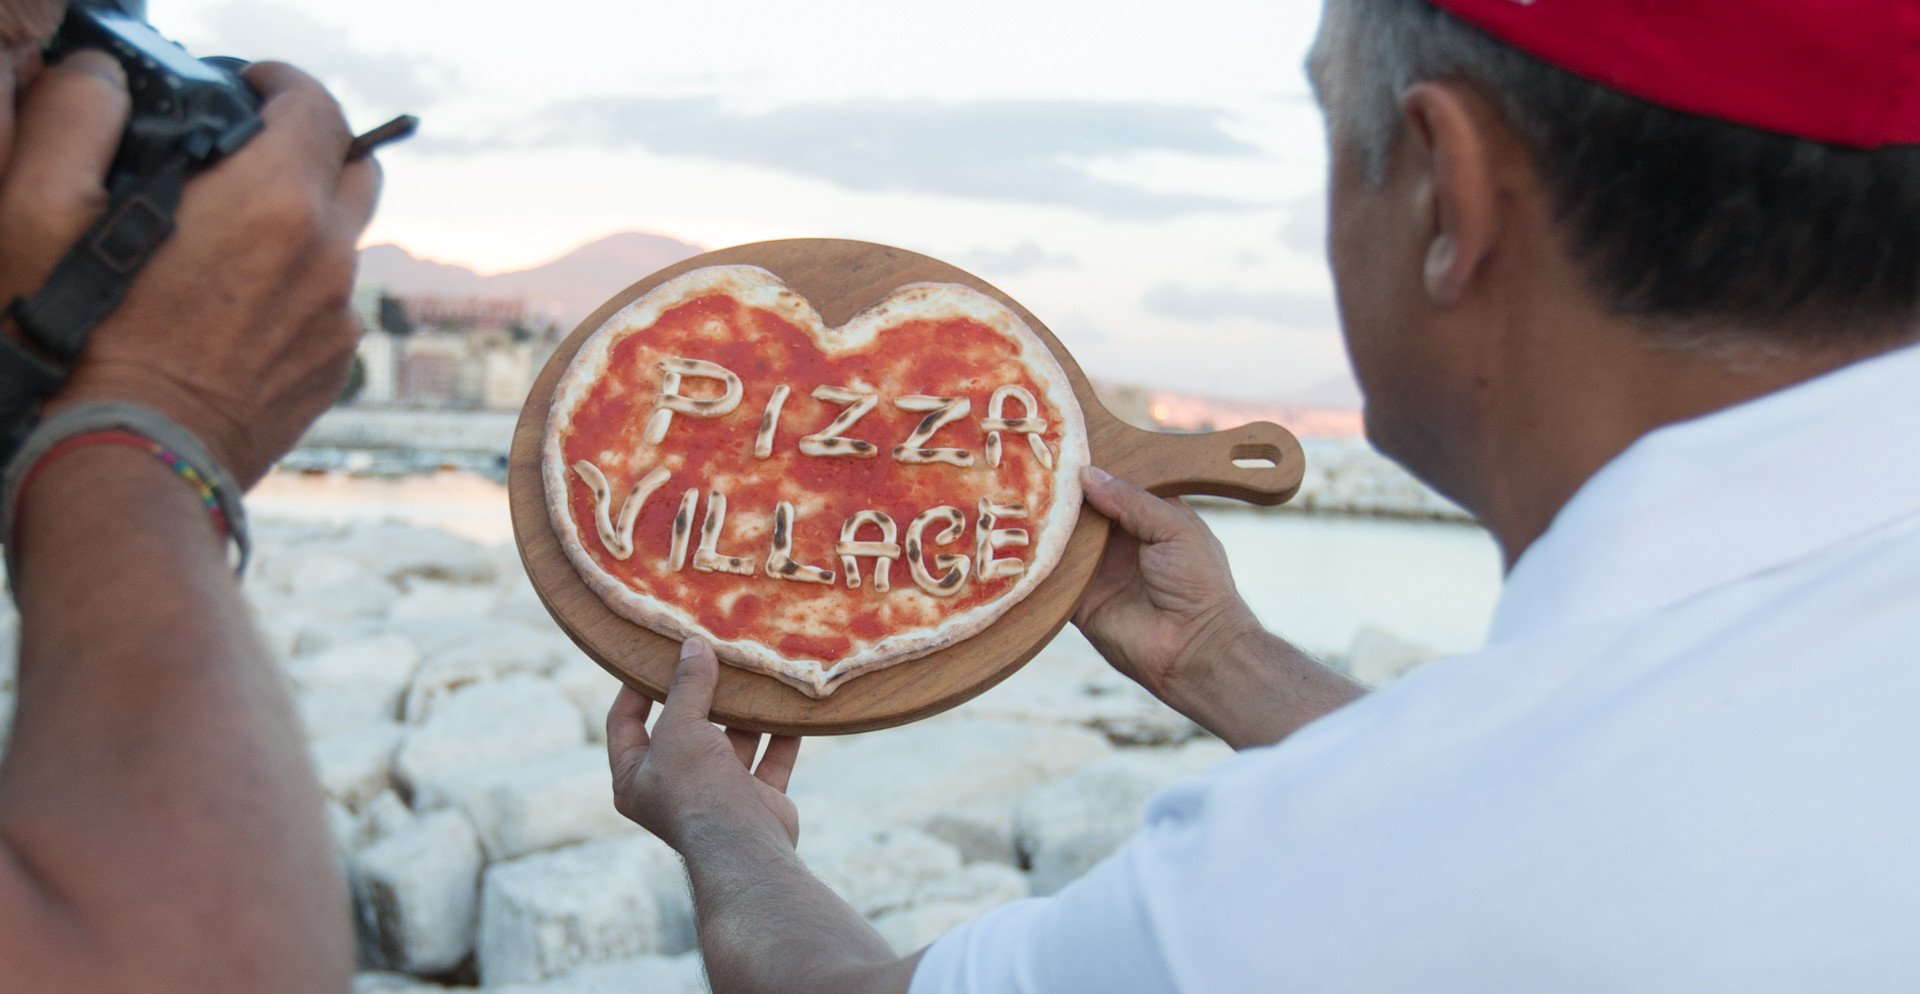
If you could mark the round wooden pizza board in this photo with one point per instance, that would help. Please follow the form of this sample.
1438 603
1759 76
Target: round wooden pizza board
842 278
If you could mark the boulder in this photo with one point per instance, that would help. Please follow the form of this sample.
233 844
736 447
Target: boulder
415 894
519 717
393 983
355 766
1063 828
683 974
400 553
1069 684
956 778
432 599
352 684
545 915
948 903
591 689
1379 657
544 803
463 664
876 870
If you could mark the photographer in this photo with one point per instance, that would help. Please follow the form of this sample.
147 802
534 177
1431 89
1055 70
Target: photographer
160 827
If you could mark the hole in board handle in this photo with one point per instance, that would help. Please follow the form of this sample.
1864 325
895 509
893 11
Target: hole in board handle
1256 456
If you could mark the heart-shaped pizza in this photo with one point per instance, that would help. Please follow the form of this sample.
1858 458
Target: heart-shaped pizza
816 502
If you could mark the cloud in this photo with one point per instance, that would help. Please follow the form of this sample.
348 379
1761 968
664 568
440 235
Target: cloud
264 30
1306 311
1018 260
1024 151
1304 227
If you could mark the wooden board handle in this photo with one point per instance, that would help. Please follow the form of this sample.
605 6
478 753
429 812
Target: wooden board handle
1260 463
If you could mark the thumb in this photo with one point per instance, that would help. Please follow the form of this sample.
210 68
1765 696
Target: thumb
70 123
691 694
1138 513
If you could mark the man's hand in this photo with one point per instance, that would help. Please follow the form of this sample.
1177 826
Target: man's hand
1162 602
689 776
1163 610
239 328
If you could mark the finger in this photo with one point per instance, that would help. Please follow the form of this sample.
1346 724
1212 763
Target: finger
691 695
626 727
776 767
356 197
302 114
745 744
1138 513
68 130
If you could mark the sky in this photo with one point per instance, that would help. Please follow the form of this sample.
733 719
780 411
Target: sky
1146 178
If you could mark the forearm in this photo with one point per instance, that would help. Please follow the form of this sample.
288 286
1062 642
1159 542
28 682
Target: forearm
1258 689
156 753
769 925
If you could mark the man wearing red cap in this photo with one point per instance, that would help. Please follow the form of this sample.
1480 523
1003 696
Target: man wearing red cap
1638 282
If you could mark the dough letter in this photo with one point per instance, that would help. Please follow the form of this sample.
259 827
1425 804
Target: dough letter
831 441
942 411
885 551
953 569
996 422
708 559
989 537
673 368
780 562
618 538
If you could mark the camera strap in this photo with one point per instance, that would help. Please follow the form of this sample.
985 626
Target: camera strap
86 285
94 275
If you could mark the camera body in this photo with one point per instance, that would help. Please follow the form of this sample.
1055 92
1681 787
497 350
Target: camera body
199 109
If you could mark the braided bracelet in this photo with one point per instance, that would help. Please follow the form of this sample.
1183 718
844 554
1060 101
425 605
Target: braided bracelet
136 427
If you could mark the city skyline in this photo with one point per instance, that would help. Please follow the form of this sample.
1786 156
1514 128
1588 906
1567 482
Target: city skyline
1149 184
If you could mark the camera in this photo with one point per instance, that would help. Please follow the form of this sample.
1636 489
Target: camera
186 114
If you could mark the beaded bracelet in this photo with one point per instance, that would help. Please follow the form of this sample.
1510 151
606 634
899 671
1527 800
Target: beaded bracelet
201 487
138 427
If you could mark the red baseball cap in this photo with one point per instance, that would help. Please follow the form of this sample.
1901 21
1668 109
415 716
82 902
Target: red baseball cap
1845 72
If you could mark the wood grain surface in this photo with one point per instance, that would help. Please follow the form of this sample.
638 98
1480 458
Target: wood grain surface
842 278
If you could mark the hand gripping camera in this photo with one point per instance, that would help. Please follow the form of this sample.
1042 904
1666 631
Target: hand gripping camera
186 114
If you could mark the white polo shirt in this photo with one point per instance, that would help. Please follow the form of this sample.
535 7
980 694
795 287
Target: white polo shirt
1688 760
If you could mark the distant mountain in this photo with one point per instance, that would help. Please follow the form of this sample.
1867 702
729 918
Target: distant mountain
567 289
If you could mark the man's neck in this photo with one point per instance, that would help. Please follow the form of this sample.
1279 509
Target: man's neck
1578 397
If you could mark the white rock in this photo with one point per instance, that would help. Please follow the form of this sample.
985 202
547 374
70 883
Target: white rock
948 903
591 689
354 767
415 893
344 709
432 599
385 815
393 983
544 803
519 717
683 974
877 870
317 636
518 650
437 635
364 679
956 778
1068 683
1063 828
1379 657
399 552
343 826
547 914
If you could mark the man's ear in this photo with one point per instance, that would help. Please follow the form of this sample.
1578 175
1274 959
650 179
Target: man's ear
1458 200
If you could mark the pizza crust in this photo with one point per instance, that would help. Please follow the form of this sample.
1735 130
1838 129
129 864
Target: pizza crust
754 287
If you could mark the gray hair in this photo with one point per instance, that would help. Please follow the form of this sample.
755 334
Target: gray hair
1689 223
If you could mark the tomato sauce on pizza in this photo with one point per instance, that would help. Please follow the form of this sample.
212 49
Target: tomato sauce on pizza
817 502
